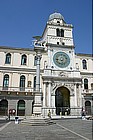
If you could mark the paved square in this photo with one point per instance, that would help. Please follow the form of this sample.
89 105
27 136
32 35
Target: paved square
69 129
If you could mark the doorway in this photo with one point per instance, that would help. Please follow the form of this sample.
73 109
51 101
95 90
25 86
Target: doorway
4 107
21 108
88 107
62 101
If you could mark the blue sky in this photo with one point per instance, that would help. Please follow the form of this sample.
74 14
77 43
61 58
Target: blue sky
20 20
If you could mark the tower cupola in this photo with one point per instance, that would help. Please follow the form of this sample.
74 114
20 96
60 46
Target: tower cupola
56 16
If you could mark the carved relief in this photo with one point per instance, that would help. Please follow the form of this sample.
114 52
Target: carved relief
62 74
57 85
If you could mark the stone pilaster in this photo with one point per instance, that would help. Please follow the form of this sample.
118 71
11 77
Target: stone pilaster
75 95
49 95
44 94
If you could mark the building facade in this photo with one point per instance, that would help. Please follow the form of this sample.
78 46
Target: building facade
66 78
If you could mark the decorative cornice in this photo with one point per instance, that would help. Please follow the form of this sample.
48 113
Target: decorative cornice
12 48
62 46
31 50
11 69
66 79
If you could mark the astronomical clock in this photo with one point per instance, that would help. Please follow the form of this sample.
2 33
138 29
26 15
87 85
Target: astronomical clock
61 59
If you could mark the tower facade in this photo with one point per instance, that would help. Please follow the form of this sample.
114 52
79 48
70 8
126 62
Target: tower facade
61 77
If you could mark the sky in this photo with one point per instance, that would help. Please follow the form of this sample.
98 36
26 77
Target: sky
20 20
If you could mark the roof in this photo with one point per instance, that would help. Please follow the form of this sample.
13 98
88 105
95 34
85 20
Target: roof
32 50
56 15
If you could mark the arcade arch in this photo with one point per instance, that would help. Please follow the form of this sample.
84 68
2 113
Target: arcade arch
62 101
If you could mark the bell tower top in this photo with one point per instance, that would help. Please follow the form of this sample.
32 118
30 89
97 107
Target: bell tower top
57 32
56 18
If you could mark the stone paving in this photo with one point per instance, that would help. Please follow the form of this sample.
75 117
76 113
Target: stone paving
69 129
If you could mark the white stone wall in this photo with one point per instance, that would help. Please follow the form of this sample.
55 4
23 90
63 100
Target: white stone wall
89 60
2 58
50 35
16 63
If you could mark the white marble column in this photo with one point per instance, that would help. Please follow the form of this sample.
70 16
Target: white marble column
38 56
49 57
53 100
37 105
44 94
49 95
80 96
75 95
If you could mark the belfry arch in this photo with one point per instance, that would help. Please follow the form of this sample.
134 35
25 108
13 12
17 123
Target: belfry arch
62 101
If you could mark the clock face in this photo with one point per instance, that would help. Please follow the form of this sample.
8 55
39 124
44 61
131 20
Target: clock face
61 59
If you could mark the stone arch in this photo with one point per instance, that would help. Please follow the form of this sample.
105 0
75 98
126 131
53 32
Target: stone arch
88 107
4 107
69 87
62 100
21 108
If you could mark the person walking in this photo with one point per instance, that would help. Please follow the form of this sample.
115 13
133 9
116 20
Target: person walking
49 114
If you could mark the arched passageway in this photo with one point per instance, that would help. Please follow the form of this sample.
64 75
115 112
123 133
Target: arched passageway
3 107
62 101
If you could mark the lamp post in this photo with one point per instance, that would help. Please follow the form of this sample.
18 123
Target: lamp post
37 99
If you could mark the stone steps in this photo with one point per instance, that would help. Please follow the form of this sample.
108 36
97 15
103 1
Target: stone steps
37 121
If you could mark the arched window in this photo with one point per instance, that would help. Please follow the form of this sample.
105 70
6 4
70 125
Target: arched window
63 43
84 64
85 83
57 32
35 61
23 59
88 107
34 83
62 33
5 81
22 83
8 58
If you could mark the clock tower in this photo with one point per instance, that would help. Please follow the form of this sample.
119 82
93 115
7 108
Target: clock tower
61 77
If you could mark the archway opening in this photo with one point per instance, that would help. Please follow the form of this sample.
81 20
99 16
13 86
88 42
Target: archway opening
88 107
21 108
62 101
4 107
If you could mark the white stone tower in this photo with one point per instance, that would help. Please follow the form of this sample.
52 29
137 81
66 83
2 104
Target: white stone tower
61 78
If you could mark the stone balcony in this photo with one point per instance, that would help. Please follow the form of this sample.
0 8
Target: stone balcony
26 90
60 73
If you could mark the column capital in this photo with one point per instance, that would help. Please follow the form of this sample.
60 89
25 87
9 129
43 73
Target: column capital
38 56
